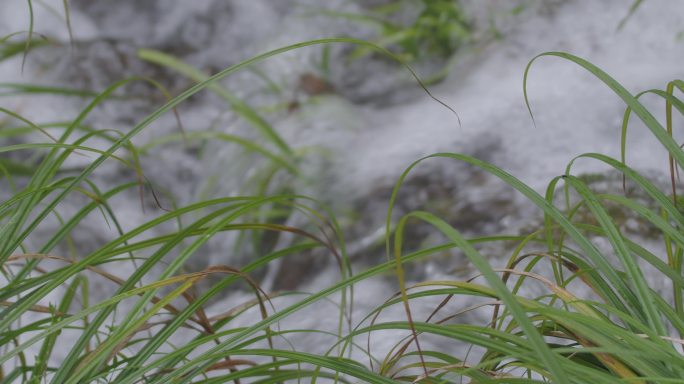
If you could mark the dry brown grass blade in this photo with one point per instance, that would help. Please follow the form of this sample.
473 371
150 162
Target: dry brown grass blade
566 263
607 359
36 308
98 271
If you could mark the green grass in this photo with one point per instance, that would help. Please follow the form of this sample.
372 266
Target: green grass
439 29
598 318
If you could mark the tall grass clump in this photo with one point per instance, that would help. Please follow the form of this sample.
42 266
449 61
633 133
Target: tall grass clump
560 310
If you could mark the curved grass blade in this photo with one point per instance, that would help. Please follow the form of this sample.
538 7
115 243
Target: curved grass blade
649 120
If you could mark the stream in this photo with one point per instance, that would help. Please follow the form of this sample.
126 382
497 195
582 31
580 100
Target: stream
355 124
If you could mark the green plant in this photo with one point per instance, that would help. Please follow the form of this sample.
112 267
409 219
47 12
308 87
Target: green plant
597 319
103 336
438 29
623 329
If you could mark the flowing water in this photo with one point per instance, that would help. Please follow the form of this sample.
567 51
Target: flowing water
370 122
